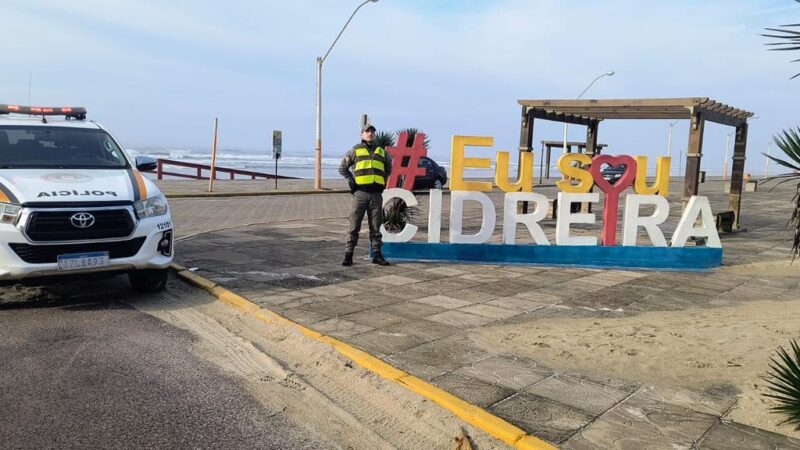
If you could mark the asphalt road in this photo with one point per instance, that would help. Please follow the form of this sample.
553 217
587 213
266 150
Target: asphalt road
81 368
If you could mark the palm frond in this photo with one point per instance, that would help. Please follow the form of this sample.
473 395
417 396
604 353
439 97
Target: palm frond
412 134
396 214
385 139
789 144
787 38
784 383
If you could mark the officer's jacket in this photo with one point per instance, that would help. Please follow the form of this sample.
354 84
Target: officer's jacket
371 166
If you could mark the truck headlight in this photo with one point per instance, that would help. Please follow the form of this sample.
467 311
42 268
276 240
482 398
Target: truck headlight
9 213
151 207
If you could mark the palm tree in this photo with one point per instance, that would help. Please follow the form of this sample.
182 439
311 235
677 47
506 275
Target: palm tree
385 139
789 144
788 39
412 133
784 382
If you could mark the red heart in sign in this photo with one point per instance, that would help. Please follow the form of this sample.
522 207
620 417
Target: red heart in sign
614 161
609 235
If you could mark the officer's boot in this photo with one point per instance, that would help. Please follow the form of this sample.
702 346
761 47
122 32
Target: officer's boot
348 259
377 258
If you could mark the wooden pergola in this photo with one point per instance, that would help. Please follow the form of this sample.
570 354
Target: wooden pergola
697 109
547 150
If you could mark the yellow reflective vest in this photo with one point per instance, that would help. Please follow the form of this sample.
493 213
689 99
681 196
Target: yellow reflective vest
370 169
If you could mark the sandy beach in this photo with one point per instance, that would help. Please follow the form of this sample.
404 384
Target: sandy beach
709 348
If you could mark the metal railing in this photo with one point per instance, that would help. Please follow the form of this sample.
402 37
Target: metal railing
201 168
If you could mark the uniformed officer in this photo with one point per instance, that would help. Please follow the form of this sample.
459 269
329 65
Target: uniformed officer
371 166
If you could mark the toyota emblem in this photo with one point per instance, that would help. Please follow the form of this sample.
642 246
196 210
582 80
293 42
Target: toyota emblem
82 220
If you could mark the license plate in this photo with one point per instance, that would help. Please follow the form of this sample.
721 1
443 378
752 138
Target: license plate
78 261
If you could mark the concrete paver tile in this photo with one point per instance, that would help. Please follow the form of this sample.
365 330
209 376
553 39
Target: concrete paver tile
276 299
332 290
446 271
716 402
303 317
373 299
412 310
375 319
459 319
447 354
386 342
542 417
303 301
472 295
489 276
489 311
516 303
443 301
334 308
511 372
502 288
424 330
539 297
403 294
731 435
424 275
420 369
588 396
640 423
477 392
358 286
340 328
392 280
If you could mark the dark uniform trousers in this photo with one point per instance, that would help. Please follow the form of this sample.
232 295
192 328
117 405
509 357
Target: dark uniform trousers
370 203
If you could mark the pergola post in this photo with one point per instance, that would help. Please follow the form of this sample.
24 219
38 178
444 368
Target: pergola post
547 162
590 149
694 153
525 144
737 172
591 138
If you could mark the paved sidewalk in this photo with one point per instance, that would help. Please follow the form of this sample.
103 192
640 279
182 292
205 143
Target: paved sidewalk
284 252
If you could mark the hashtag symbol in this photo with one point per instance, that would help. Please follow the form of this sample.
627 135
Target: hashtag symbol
405 161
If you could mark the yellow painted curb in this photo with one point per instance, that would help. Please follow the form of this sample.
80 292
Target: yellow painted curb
473 415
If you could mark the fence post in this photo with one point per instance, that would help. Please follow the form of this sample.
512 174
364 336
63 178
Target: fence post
159 169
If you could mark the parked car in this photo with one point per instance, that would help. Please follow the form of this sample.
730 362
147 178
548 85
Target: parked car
613 174
435 175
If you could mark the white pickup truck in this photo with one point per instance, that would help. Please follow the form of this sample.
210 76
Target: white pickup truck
72 203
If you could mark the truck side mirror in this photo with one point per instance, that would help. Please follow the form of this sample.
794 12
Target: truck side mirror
146 164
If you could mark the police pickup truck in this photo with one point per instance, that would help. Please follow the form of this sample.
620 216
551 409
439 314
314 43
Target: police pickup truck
72 203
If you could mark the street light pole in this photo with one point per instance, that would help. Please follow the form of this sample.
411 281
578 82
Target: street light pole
766 160
320 61
566 125
669 143
725 164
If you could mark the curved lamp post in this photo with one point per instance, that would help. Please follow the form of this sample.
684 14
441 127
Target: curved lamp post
320 60
607 74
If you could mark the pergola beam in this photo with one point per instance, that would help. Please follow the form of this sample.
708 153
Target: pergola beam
698 110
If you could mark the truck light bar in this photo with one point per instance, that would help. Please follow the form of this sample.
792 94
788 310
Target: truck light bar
68 111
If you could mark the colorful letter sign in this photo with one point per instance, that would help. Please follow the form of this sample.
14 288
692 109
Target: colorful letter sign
582 174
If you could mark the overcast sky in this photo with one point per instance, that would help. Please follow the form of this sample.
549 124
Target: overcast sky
156 73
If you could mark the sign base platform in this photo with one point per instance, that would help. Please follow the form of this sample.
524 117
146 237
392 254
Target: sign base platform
596 257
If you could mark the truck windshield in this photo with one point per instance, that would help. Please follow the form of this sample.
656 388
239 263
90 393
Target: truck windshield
23 147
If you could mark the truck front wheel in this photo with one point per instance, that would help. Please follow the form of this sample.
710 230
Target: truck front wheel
150 280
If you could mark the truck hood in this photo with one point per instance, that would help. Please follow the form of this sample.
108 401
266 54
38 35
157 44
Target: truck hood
22 186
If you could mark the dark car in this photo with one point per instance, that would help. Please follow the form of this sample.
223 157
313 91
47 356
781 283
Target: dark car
613 174
435 175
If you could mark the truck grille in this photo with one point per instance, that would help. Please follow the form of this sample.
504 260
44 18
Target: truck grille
42 254
56 226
